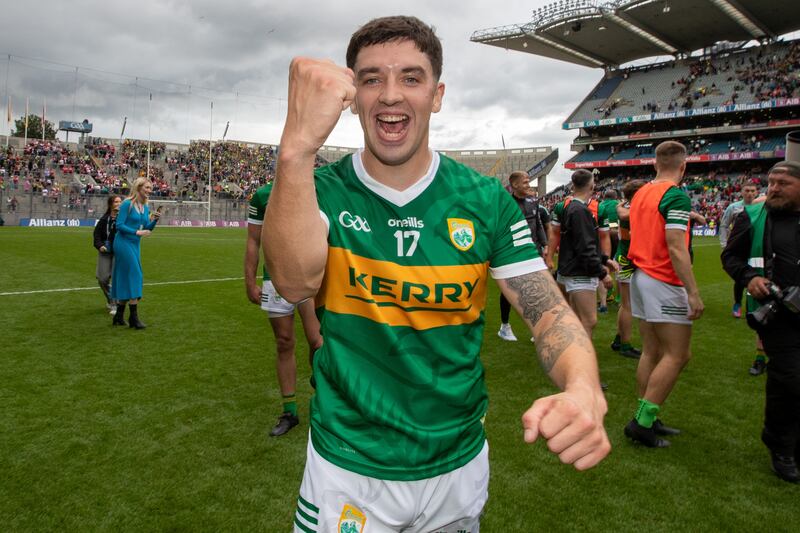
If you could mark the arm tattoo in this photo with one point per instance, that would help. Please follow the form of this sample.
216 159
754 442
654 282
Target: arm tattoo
537 295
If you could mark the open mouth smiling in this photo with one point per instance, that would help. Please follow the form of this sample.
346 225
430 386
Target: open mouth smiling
392 125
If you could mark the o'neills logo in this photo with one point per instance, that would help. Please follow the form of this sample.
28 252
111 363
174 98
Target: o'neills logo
410 222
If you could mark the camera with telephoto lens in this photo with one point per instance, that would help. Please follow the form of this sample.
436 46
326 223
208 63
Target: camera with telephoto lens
788 298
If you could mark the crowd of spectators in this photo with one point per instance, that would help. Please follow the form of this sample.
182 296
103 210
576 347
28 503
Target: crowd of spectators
237 169
769 75
100 149
32 171
762 74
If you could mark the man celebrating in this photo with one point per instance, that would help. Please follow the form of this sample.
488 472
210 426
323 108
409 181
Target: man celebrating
280 313
763 253
664 294
400 241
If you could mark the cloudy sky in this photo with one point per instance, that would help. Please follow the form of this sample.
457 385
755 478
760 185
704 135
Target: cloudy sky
236 54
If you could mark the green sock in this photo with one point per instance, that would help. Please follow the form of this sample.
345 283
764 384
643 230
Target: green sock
290 404
647 413
760 357
626 346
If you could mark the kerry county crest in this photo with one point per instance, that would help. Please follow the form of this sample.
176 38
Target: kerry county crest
351 520
462 233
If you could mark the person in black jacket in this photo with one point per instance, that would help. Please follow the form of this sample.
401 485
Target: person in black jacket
581 265
519 187
103 240
774 262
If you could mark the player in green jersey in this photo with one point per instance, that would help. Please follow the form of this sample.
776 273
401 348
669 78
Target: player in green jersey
397 243
622 341
607 221
280 313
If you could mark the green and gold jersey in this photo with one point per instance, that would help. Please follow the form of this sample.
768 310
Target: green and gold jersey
256 210
400 388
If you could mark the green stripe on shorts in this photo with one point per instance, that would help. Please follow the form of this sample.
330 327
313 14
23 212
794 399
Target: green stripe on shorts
302 526
307 505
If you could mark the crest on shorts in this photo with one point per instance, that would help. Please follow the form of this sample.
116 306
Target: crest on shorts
351 520
462 233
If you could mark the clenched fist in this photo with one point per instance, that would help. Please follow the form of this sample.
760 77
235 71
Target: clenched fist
572 424
319 90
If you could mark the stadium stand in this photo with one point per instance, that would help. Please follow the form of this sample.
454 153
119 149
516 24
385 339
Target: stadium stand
730 94
739 76
56 180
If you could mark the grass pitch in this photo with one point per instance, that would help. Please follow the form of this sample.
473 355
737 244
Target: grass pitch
166 428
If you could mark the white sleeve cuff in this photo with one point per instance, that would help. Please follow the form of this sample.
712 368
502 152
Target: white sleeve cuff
327 222
518 269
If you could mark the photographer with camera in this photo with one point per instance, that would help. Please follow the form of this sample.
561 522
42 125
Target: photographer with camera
763 254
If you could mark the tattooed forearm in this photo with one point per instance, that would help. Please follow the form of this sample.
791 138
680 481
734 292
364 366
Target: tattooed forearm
536 293
538 297
563 332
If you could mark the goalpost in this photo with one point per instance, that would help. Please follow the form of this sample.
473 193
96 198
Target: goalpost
206 203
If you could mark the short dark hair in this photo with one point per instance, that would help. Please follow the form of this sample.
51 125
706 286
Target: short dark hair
786 167
630 188
750 183
581 178
670 155
397 28
610 194
518 175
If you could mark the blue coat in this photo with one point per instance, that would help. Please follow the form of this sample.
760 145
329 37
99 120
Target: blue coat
127 279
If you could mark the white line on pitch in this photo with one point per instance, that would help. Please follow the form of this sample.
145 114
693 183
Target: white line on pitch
146 285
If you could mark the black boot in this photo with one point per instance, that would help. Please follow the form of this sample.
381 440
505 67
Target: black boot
119 318
134 318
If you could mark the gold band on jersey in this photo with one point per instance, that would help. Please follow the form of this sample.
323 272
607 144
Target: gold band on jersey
399 295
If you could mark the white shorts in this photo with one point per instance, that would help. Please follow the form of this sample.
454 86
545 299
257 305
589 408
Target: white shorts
578 283
273 303
653 300
333 499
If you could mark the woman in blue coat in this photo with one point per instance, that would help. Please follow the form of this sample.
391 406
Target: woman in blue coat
134 221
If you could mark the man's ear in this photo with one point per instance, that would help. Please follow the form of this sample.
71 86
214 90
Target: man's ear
437 97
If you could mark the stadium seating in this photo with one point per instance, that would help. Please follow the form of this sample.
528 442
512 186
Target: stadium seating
695 146
746 76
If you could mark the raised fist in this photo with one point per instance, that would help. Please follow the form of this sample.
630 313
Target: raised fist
319 90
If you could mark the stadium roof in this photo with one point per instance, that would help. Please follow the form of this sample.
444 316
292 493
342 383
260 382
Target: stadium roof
610 33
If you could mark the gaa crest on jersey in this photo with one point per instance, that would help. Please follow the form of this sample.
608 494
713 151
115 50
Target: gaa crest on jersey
351 520
462 233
